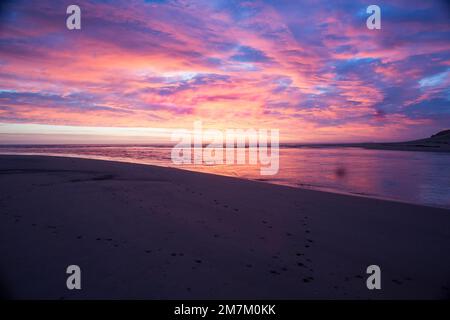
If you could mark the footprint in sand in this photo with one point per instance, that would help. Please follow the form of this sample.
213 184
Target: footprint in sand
274 272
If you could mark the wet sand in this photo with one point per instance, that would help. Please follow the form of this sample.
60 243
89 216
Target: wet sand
146 232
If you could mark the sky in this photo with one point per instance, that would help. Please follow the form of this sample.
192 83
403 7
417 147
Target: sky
138 69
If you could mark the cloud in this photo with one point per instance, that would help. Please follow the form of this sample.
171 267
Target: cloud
309 67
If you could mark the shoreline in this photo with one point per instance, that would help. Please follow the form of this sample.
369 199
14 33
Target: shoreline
148 232
388 146
302 187
422 145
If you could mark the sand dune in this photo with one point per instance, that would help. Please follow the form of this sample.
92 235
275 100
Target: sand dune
148 232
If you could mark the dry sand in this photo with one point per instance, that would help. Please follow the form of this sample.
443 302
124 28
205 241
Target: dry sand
141 231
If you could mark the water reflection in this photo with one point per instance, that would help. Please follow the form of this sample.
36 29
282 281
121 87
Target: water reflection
417 177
